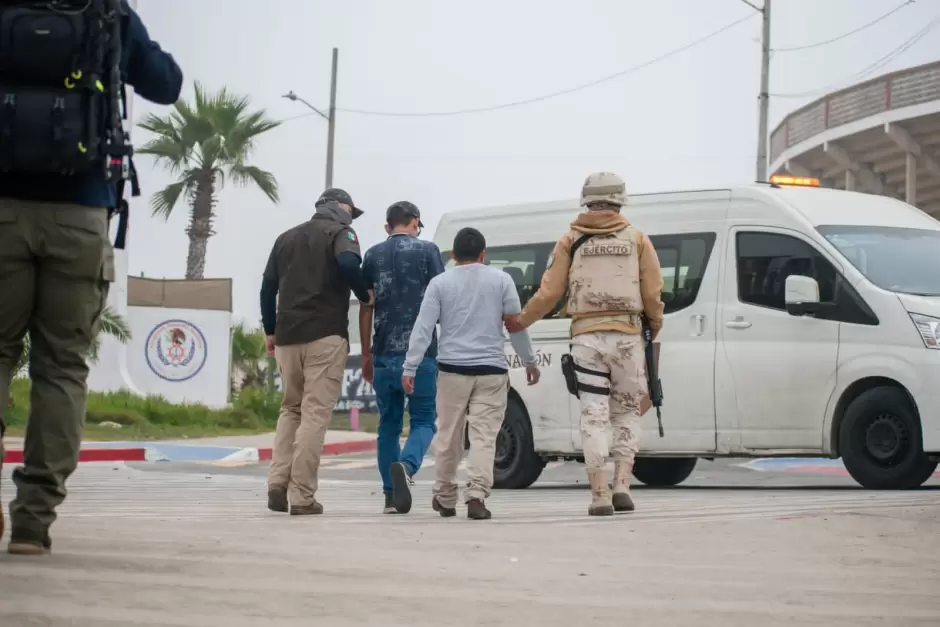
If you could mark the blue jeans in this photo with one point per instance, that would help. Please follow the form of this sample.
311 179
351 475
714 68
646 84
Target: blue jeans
422 413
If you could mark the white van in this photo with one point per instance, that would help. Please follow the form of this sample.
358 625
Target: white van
800 322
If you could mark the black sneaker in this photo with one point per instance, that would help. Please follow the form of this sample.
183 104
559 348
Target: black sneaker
389 505
277 500
445 512
26 543
401 488
476 510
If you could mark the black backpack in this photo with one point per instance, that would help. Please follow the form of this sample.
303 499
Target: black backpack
62 100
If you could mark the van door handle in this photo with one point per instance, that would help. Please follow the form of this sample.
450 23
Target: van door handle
738 323
698 325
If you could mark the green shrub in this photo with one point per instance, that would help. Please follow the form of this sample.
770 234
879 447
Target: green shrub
153 417
254 410
266 405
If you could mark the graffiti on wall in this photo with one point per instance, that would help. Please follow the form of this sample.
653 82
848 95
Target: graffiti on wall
356 392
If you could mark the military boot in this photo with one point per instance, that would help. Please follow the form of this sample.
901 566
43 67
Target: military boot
623 471
600 494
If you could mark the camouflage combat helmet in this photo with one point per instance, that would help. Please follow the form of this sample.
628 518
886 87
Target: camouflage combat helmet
604 187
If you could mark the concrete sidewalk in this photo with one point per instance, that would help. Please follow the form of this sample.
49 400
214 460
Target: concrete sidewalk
247 448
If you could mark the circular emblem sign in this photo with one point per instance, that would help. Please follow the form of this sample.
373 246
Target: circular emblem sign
176 350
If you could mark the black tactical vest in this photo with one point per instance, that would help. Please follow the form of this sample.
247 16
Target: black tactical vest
61 96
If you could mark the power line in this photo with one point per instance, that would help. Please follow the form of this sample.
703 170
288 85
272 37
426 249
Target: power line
297 117
871 69
555 94
826 42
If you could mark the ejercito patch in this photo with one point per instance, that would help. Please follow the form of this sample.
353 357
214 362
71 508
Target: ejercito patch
620 249
352 236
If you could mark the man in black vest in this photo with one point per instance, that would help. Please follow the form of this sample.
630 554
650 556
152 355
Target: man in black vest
307 281
63 158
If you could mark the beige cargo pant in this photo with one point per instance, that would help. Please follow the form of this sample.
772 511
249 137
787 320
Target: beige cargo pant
477 401
312 377
617 363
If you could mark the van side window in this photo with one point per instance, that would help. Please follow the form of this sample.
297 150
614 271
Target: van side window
525 264
684 259
765 260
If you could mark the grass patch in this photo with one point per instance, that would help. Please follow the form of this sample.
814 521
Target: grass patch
155 418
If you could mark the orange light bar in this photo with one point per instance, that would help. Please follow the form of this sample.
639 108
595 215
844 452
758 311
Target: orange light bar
799 181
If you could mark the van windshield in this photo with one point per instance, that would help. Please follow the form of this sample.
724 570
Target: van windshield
895 259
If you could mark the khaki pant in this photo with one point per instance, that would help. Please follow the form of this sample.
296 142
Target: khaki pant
56 267
312 377
479 401
620 364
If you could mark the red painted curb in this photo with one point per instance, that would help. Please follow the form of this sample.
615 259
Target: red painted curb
353 446
333 448
93 455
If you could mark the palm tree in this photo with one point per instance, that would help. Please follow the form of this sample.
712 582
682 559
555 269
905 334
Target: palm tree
201 144
111 323
249 354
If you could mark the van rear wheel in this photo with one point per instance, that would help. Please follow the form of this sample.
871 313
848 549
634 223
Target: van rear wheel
663 471
516 465
881 442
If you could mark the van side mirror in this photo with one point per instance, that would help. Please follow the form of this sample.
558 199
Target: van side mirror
801 295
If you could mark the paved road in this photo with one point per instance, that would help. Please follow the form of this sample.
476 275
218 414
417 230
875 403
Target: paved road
192 545
735 473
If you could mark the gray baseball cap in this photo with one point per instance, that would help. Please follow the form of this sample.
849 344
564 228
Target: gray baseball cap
340 195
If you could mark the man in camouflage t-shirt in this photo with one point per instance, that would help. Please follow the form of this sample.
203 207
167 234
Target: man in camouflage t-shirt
398 271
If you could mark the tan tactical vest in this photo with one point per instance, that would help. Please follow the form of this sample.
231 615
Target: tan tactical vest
604 280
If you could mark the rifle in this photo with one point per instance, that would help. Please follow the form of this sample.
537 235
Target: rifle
652 375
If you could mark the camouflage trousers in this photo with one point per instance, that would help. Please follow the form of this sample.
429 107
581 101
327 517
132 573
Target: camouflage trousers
56 267
616 367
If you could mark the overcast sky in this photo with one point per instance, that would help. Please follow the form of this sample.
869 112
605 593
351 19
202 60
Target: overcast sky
686 122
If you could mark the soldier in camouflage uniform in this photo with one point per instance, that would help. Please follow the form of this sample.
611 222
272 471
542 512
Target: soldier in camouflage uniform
612 280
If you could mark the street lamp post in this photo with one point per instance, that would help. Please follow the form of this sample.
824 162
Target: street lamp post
330 118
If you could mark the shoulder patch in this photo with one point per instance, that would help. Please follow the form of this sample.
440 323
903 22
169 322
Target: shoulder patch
351 236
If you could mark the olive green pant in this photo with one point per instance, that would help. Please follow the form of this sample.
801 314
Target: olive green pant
56 266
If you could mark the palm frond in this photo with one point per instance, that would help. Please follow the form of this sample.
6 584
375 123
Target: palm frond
164 201
171 153
163 126
113 324
248 345
244 175
110 323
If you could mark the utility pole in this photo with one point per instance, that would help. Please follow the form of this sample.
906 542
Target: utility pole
331 133
330 118
762 131
764 97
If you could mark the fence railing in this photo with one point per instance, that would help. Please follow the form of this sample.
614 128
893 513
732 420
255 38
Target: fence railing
903 88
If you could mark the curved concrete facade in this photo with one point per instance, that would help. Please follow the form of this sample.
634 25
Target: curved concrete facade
880 137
